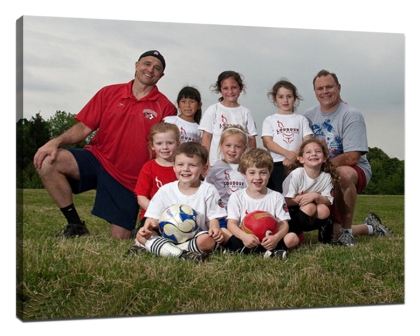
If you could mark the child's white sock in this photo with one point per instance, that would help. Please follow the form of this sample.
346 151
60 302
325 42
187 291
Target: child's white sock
370 229
137 243
162 247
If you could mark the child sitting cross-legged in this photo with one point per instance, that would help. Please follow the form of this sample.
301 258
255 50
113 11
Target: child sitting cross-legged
190 162
309 190
256 165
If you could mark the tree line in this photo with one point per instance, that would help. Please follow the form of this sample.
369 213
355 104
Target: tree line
387 173
32 134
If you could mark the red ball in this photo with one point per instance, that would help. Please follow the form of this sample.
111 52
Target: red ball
259 223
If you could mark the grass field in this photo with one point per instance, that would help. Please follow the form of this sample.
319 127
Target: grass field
93 277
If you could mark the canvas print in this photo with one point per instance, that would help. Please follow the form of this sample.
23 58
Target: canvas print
164 170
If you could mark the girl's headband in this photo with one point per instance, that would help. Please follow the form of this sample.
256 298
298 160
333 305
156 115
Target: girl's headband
236 129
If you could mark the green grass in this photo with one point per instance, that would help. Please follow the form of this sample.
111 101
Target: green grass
93 277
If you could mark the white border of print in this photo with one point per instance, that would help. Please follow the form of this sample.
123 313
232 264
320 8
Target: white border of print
330 15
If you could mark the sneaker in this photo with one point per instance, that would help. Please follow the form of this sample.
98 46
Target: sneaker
325 232
136 249
345 239
280 254
74 231
378 228
219 249
195 256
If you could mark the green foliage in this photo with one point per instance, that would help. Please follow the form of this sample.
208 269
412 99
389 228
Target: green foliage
60 122
34 133
387 174
30 135
94 277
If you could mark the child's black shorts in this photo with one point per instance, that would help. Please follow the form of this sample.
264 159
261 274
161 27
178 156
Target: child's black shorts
299 221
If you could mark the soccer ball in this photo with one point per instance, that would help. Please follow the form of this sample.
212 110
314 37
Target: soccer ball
260 223
179 223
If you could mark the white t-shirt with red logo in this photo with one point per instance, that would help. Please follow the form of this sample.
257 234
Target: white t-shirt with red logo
287 130
217 116
240 204
226 178
188 130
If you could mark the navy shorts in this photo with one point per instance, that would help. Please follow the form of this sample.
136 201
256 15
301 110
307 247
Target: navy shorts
113 202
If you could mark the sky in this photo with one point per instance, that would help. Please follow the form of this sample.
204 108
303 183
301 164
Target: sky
372 71
67 60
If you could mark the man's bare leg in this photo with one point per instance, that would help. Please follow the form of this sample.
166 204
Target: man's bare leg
345 199
54 177
119 232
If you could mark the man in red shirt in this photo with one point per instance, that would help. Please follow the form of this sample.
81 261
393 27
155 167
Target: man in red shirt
122 115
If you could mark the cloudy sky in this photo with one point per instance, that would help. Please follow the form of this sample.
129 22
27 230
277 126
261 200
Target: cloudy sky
66 63
66 60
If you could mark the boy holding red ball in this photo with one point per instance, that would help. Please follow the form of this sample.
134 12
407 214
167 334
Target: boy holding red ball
256 165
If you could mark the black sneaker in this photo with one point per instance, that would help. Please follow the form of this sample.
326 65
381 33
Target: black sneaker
195 256
136 249
325 231
74 231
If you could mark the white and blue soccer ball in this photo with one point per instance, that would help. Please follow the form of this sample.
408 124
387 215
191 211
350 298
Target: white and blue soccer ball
179 223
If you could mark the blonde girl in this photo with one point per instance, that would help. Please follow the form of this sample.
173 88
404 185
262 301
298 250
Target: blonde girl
164 138
224 174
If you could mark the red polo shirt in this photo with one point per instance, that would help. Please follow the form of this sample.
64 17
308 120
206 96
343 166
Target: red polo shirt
123 124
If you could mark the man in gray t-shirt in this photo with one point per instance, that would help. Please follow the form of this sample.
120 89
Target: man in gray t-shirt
343 129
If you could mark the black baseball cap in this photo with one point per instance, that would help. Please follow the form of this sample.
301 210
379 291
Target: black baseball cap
156 54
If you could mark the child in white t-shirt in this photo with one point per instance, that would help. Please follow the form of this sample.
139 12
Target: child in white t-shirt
190 162
309 190
284 131
188 119
227 112
256 165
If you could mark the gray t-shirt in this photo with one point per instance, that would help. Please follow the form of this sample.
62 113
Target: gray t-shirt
344 130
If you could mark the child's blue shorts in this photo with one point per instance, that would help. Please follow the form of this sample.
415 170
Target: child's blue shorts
223 222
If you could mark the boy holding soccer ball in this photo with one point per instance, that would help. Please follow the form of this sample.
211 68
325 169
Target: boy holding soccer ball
189 165
256 166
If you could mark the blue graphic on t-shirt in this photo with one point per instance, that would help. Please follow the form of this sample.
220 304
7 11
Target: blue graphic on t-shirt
326 132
